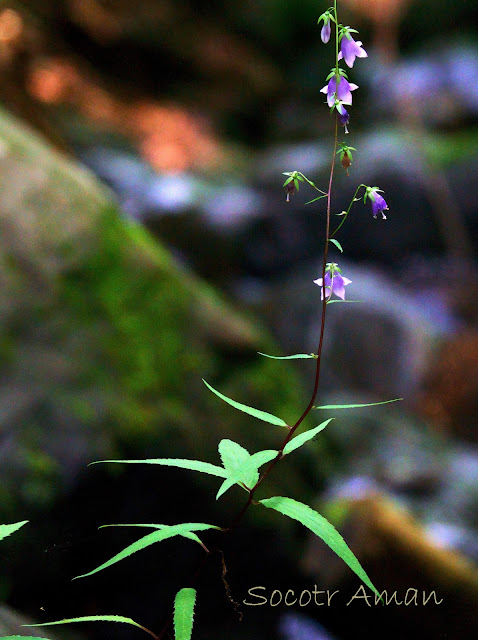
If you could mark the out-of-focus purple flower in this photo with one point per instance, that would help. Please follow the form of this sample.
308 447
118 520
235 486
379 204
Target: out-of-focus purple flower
343 92
325 32
349 49
344 116
335 283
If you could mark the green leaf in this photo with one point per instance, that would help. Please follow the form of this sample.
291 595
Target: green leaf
254 462
193 465
151 538
91 619
315 199
22 637
234 456
190 535
184 613
8 529
355 406
296 356
261 415
301 439
322 528
339 300
337 244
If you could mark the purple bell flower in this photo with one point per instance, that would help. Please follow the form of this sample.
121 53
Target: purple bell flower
378 202
343 92
335 283
379 206
349 50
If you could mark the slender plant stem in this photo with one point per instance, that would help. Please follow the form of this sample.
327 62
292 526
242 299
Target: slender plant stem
344 217
294 428
305 413
325 298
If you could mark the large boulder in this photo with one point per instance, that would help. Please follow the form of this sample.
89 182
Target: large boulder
104 336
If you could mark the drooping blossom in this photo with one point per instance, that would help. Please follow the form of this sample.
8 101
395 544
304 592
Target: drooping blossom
343 92
344 116
349 49
335 282
378 202
379 206
290 188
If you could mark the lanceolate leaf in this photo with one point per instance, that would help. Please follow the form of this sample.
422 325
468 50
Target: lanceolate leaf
184 613
193 465
339 300
301 439
315 199
337 244
296 356
322 528
22 637
262 415
151 538
355 406
254 462
233 456
92 619
189 534
7 529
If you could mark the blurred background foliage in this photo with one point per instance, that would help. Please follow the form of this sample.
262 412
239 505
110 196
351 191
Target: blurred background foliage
145 243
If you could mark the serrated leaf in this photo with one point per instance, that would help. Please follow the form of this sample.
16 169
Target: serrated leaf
184 613
295 356
355 406
261 415
302 438
254 462
321 528
193 465
233 456
337 244
190 535
151 538
8 529
107 618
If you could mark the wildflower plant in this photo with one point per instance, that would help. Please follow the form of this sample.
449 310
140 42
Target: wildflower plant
239 467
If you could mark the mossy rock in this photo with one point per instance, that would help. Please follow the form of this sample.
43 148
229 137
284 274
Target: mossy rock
104 336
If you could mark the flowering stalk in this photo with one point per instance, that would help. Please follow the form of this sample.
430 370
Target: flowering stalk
332 282
339 92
